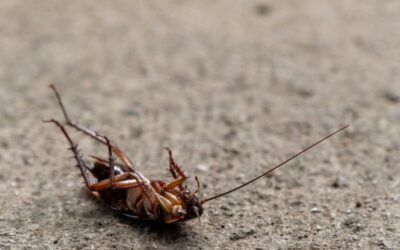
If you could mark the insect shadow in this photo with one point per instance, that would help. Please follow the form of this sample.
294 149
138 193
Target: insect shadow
157 230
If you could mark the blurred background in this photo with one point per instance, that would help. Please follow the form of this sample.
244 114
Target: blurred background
233 87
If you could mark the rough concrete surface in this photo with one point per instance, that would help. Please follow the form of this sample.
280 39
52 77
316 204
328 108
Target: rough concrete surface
233 87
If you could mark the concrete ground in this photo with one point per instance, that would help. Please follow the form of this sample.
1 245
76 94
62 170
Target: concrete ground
233 87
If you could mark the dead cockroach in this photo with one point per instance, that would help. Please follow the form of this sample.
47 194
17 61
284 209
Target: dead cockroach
123 188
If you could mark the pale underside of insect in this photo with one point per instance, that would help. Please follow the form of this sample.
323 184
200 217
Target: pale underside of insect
116 182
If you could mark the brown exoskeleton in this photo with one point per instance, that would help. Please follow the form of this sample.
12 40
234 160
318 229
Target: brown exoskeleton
123 188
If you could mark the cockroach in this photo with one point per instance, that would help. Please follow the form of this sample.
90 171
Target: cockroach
116 182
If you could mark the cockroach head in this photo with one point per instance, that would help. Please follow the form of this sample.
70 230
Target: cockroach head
194 207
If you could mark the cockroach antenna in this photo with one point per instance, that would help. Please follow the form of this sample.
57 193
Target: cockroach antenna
274 168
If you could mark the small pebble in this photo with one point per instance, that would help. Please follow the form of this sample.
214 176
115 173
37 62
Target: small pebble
353 223
339 182
315 210
242 234
392 96
202 167
262 9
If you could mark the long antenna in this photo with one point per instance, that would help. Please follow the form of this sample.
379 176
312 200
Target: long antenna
277 166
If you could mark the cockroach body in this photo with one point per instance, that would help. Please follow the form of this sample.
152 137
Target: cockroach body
118 184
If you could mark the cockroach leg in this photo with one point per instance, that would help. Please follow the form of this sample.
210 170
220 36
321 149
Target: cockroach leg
111 161
91 133
87 176
198 184
171 163
173 184
120 182
165 203
105 161
149 193
120 154
124 184
175 170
